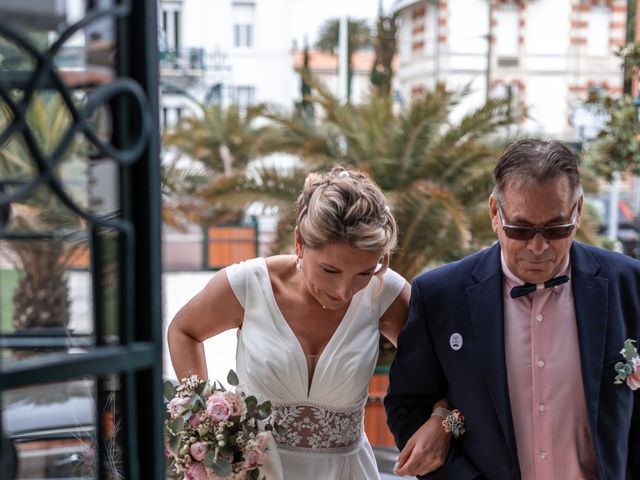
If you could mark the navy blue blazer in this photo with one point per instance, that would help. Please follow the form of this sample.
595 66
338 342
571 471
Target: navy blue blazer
466 297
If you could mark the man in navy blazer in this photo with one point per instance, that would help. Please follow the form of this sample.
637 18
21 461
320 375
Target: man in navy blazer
473 337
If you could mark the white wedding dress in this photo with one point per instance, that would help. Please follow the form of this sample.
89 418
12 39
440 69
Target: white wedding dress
323 416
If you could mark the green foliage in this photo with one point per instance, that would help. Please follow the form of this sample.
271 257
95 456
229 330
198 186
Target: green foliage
8 283
232 378
220 141
617 146
41 298
435 173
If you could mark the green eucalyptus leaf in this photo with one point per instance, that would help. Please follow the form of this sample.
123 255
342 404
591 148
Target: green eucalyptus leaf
222 467
266 406
174 443
176 425
261 413
629 350
169 390
210 460
196 402
232 378
200 388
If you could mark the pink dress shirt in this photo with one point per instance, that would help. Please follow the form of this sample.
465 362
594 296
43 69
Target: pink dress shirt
545 383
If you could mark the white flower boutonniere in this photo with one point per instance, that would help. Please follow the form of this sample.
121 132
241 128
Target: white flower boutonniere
629 370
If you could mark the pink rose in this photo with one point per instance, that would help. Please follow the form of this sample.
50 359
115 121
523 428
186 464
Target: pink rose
195 420
177 406
198 451
252 458
217 407
196 471
236 403
633 379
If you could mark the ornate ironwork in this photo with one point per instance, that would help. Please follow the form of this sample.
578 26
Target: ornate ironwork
133 145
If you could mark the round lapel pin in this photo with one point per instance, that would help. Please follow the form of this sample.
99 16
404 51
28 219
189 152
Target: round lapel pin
455 341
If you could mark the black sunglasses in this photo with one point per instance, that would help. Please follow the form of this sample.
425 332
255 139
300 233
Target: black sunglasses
553 232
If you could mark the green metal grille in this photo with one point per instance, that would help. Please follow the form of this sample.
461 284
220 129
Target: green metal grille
130 346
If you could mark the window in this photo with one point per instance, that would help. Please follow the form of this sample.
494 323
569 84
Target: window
243 18
598 31
245 97
512 91
242 36
171 28
507 31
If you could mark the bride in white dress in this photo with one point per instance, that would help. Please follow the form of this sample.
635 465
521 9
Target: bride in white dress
309 327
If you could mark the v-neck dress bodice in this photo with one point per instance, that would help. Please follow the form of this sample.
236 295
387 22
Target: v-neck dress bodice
324 419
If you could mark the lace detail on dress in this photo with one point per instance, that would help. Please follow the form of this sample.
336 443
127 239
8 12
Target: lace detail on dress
313 428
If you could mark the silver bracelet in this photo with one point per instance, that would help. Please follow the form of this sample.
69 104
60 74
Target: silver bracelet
441 412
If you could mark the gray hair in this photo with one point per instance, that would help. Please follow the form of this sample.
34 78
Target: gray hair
533 162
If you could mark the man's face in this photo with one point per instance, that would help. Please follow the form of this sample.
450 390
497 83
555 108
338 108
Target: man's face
549 204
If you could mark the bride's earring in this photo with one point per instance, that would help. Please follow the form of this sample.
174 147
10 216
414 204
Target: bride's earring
298 264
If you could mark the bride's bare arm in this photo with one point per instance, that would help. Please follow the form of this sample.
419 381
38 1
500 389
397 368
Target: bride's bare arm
213 310
427 449
393 319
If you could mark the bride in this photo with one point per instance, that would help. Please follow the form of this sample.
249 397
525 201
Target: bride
308 329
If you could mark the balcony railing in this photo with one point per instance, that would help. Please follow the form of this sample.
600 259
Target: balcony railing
194 60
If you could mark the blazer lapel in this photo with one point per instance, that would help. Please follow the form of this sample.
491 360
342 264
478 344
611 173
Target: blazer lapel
590 294
485 303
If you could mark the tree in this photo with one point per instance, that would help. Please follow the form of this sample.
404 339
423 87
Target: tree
384 45
41 299
435 173
305 105
220 141
359 37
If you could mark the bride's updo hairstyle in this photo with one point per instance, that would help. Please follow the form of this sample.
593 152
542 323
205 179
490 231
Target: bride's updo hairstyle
346 206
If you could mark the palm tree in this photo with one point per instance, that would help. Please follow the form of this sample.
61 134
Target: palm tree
41 298
220 142
359 37
435 173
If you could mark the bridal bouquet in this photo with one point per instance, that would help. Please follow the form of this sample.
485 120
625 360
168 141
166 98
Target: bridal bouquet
213 433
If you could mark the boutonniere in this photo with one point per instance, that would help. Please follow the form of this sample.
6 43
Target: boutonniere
629 370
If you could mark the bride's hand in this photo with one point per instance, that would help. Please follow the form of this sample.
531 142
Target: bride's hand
426 450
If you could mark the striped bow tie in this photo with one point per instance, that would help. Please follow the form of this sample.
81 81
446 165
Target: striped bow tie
527 288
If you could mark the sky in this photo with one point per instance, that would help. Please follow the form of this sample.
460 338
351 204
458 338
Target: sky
310 14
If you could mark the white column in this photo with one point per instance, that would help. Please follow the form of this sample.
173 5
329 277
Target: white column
342 55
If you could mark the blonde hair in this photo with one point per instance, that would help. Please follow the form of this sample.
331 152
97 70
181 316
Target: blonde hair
346 206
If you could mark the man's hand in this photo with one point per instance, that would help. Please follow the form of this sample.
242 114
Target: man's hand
426 450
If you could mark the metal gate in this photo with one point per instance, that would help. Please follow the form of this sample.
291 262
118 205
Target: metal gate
80 383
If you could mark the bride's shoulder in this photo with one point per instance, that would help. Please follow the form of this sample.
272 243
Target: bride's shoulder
280 265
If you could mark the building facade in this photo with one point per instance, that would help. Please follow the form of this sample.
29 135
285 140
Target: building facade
545 54
228 51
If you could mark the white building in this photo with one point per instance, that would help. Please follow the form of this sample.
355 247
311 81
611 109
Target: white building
232 51
545 54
